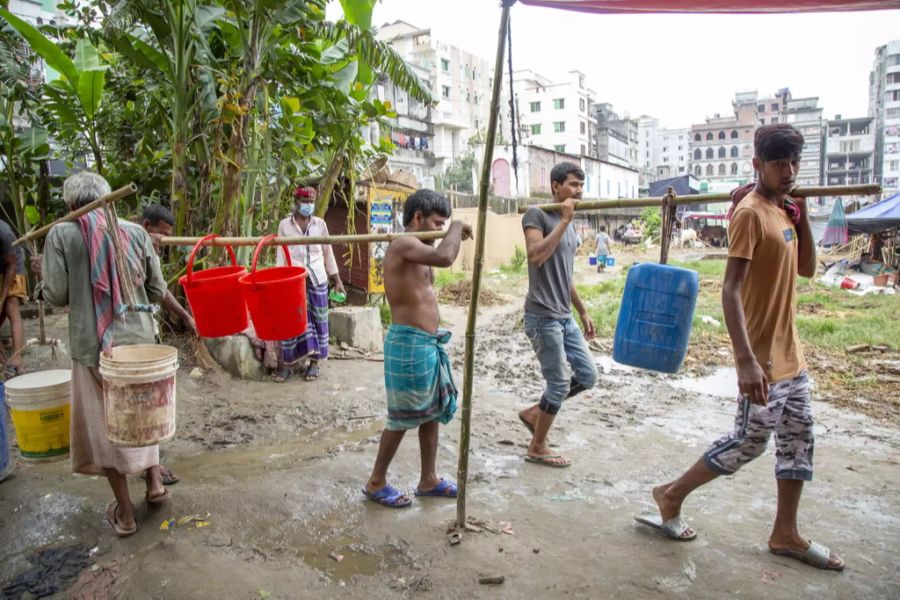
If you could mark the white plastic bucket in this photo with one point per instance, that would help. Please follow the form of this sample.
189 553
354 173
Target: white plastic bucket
139 394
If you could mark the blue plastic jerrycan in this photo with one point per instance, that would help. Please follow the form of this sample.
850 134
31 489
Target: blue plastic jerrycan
655 317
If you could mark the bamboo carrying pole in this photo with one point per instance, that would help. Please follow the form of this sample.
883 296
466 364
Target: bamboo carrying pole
466 414
302 240
807 192
72 216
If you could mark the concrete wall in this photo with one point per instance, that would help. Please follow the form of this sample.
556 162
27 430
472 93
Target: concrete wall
504 233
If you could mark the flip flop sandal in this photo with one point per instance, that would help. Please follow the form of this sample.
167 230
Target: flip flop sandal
673 529
281 376
159 499
111 509
547 461
388 496
167 476
312 373
816 555
445 489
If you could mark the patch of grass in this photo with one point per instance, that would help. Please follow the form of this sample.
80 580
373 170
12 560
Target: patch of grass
444 277
516 264
602 301
705 268
834 319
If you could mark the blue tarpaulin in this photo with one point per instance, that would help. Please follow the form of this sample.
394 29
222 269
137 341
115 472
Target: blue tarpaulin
877 217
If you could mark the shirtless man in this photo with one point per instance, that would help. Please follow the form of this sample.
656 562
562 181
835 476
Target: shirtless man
417 376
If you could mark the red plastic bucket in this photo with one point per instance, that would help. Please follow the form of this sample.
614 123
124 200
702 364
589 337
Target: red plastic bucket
215 296
276 297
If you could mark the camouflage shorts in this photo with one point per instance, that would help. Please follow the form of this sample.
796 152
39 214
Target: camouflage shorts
788 414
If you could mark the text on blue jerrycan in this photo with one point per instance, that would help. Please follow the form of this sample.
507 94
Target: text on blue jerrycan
655 317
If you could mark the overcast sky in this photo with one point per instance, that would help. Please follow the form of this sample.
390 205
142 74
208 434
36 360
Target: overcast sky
678 68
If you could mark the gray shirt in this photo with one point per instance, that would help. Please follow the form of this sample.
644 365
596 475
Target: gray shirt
7 237
67 282
602 244
550 284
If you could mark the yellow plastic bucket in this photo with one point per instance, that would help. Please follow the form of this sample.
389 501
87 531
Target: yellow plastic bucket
40 407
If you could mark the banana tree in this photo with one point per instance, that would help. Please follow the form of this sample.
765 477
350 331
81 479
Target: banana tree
73 99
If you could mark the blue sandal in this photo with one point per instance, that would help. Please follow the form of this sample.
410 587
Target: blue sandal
388 496
445 489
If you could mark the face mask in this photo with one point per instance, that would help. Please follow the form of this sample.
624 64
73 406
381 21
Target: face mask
305 209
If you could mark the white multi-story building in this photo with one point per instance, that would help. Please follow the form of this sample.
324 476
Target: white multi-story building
662 153
411 130
884 107
554 114
849 151
806 116
461 85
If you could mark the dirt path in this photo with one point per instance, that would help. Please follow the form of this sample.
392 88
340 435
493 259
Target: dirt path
278 468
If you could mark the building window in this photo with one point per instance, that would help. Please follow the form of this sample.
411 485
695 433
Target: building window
698 171
774 120
679 147
761 108
734 134
535 130
665 148
581 104
583 127
721 168
560 147
559 103
559 127
445 65
583 150
709 170
762 121
721 135
734 151
607 187
696 137
709 154
445 91
734 169
774 108
535 107
722 152
709 136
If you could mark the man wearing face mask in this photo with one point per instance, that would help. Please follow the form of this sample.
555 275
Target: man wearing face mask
319 261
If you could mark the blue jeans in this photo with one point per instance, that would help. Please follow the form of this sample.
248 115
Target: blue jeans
557 342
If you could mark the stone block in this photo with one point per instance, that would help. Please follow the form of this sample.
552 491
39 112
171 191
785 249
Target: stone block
235 354
357 326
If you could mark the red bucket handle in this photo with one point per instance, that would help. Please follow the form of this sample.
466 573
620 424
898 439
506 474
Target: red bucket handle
190 264
262 244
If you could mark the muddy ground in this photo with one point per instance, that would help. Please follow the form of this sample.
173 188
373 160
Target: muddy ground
278 469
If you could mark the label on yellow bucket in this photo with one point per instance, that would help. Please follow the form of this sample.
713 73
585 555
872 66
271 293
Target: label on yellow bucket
42 433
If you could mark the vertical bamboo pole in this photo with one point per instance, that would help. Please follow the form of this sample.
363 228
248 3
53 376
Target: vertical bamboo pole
668 218
466 416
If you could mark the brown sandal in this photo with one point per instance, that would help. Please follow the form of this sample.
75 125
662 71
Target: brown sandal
111 509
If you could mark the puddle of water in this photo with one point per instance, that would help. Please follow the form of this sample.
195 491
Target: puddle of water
355 558
721 383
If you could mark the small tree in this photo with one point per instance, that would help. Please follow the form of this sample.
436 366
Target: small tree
652 221
459 175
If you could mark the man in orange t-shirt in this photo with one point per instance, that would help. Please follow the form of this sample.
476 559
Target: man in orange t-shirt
770 243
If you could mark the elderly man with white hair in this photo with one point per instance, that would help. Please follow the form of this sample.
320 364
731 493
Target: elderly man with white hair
79 271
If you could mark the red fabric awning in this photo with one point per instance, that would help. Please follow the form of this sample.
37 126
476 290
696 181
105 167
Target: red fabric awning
714 6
